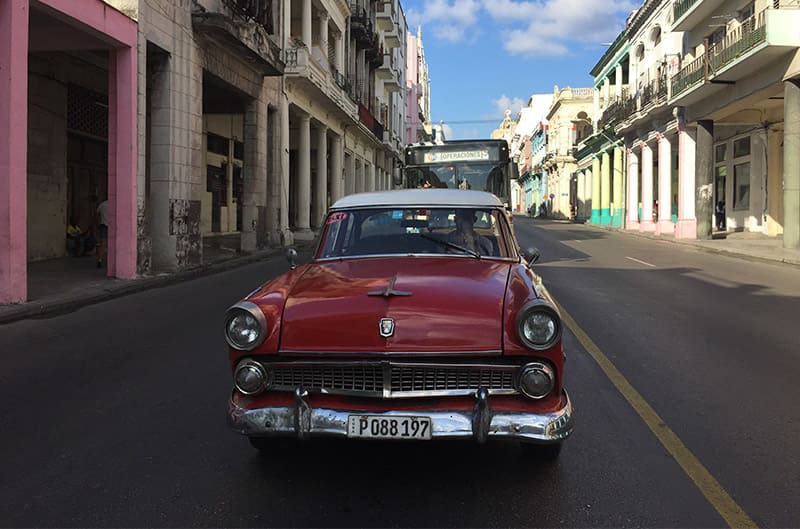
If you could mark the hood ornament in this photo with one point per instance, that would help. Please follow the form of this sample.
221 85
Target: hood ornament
390 291
387 327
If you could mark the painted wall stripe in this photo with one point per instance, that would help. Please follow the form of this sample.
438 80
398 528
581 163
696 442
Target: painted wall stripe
719 498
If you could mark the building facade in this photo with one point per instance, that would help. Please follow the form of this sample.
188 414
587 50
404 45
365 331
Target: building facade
206 124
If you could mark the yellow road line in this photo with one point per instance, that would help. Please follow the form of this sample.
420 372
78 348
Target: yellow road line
719 498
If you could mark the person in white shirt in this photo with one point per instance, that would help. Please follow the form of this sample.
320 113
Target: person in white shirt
102 221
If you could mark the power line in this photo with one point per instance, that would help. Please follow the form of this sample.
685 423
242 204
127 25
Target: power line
466 122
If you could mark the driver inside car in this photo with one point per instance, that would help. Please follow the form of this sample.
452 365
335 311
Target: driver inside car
465 235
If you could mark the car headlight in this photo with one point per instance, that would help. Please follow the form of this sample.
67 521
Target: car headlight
536 380
250 377
538 326
245 326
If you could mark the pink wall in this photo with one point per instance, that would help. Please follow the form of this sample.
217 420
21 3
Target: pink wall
13 149
413 122
121 35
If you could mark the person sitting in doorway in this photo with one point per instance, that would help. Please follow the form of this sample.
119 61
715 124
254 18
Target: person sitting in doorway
75 238
465 235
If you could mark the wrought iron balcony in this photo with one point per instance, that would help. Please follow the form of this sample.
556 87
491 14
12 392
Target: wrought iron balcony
681 7
245 26
747 36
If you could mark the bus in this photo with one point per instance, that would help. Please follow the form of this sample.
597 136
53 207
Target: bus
481 165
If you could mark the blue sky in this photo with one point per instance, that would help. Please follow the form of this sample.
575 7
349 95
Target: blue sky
488 55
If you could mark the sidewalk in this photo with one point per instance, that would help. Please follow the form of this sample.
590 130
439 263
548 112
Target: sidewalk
746 245
63 285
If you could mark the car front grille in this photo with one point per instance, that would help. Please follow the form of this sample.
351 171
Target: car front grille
393 379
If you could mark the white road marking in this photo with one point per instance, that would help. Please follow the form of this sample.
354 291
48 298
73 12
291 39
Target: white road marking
641 262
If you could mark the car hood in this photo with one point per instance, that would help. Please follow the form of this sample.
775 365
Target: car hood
455 305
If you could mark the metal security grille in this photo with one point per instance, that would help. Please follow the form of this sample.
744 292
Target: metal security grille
393 379
87 111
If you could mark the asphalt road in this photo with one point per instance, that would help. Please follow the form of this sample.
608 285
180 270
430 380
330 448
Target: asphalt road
114 415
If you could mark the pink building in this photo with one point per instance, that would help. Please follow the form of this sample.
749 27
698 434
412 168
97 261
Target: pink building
418 85
68 119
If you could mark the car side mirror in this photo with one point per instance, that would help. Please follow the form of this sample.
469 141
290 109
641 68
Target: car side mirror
530 254
291 256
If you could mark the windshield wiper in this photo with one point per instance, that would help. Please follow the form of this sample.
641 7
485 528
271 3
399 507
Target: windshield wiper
449 244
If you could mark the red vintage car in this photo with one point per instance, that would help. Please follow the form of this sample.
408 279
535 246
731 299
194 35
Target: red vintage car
418 317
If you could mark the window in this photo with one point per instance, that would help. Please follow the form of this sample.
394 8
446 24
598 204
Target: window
741 147
741 186
720 152
716 37
747 12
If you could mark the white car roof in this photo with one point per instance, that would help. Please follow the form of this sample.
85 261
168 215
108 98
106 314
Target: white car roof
419 197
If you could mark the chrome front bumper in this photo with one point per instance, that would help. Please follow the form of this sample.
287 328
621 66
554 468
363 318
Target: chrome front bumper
303 421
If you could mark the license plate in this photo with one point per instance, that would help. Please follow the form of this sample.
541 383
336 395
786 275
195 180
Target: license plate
389 427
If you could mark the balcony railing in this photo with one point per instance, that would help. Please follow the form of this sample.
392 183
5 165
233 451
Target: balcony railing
258 10
739 41
680 8
751 33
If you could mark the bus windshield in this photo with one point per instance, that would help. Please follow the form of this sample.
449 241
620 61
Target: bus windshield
480 165
489 177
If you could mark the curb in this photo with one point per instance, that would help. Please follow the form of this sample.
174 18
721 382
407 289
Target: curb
702 247
66 304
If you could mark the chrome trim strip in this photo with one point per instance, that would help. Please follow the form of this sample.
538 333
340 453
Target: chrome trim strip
289 352
447 255
322 422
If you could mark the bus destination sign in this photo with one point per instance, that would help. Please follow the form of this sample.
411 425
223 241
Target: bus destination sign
456 156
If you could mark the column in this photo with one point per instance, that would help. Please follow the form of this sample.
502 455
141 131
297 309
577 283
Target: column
687 224
581 198
122 163
704 172
370 175
340 53
618 81
633 190
13 151
321 183
587 193
665 225
254 174
791 165
596 105
286 235
647 223
605 190
323 32
306 24
350 175
336 168
596 190
616 197
303 221
606 92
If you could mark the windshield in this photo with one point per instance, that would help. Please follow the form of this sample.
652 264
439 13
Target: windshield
489 177
472 232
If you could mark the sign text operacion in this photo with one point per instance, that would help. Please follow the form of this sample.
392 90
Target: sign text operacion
456 156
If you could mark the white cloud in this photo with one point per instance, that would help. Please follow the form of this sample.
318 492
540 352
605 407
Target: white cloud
446 19
554 25
504 103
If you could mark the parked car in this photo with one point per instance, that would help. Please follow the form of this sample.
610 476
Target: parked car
418 317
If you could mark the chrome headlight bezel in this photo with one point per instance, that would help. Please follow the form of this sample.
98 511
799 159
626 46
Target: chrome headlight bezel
247 308
536 366
249 364
529 310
